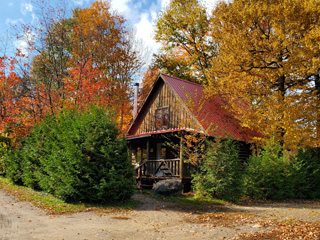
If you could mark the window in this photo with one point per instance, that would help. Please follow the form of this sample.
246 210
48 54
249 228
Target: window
162 117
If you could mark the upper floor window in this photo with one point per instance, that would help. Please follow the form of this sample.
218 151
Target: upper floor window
162 116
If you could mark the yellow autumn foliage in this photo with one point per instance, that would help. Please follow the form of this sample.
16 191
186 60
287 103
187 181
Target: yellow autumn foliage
183 28
268 66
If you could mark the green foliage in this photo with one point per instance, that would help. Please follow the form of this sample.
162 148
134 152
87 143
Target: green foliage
53 205
273 173
191 202
220 173
175 65
76 156
5 143
183 28
309 159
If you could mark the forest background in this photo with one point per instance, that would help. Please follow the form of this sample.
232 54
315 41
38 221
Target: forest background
261 57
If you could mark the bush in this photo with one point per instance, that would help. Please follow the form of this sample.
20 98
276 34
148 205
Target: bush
4 147
273 173
76 156
309 159
220 173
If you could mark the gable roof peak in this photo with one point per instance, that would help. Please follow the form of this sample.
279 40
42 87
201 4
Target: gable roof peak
166 76
210 113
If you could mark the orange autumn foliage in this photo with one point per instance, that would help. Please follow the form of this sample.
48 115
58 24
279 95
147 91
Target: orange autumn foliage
87 59
148 80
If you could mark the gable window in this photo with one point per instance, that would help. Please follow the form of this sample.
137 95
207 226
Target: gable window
162 117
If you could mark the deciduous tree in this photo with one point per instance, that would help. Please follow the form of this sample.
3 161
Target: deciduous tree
75 61
183 28
268 55
12 101
148 80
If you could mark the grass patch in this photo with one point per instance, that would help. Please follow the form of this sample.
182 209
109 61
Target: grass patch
54 205
189 201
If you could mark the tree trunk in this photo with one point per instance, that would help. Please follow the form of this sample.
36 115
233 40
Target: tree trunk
282 92
317 89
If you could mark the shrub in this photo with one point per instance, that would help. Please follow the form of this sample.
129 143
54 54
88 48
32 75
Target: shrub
76 156
4 147
309 159
272 173
220 172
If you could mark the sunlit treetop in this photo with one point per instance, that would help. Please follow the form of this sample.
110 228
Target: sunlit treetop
269 59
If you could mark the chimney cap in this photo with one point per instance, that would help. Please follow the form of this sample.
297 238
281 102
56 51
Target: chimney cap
136 84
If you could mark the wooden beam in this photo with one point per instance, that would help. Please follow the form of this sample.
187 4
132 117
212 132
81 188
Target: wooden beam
135 153
181 159
148 150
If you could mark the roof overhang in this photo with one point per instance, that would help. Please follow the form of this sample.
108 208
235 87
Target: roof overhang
159 132
133 137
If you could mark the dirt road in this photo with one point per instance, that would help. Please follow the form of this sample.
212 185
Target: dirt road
153 220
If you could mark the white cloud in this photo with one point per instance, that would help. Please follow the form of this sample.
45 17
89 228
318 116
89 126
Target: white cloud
25 8
164 3
22 46
24 42
34 18
12 22
143 19
145 31
80 2
122 6
10 4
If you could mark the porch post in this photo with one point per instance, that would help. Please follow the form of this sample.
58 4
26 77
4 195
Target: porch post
141 155
135 153
148 149
181 160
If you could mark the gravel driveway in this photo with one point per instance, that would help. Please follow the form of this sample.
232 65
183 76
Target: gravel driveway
153 220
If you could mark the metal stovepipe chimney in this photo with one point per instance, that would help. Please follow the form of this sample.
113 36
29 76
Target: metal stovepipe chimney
135 107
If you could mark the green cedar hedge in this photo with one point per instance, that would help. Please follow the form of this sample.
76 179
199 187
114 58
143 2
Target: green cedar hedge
277 174
270 174
220 174
309 159
76 156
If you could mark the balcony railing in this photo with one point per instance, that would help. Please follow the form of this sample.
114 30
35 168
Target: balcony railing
159 168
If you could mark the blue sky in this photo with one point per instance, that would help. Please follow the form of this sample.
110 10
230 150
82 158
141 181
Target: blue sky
140 13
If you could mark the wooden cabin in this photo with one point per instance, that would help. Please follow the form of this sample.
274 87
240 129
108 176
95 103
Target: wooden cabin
173 108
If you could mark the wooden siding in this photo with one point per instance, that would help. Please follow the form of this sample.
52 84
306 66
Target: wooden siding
178 117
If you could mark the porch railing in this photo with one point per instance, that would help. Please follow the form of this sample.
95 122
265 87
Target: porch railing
159 168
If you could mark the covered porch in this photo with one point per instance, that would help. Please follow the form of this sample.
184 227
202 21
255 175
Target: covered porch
158 157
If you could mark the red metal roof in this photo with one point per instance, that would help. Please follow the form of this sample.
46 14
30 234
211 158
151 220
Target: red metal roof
209 112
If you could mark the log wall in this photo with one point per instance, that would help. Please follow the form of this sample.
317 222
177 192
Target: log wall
178 116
